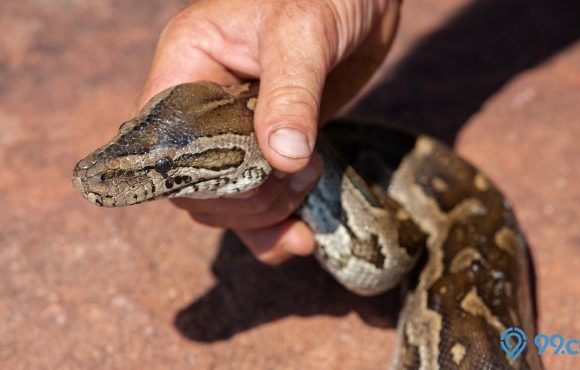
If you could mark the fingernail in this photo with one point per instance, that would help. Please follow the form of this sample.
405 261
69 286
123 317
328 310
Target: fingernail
301 180
290 143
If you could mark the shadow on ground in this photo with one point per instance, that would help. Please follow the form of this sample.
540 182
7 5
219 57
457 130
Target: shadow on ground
440 83
451 73
249 293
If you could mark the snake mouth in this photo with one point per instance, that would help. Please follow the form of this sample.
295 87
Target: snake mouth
114 188
78 185
110 188
193 189
92 197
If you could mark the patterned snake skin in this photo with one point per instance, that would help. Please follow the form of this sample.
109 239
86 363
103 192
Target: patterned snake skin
390 206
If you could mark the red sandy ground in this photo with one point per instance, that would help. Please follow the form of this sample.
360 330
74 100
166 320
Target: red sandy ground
146 288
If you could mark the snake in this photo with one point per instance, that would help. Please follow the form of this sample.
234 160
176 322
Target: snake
391 208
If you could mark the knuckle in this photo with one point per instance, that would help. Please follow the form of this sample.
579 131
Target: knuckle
194 29
259 204
313 24
178 23
289 95
317 21
311 16
293 103
265 258
282 210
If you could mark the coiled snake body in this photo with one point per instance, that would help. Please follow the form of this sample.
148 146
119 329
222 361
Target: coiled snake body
384 199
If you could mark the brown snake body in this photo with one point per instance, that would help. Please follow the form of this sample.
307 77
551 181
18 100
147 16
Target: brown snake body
388 205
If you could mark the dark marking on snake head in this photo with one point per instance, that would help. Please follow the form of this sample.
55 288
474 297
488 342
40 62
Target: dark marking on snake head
169 182
108 175
213 159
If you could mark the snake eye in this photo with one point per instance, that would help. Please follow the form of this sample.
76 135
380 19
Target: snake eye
163 165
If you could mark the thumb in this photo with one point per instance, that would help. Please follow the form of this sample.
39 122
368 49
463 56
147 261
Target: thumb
292 77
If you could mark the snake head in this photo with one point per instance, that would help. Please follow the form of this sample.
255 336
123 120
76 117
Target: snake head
193 140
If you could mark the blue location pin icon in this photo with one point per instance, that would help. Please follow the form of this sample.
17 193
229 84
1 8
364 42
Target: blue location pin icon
513 342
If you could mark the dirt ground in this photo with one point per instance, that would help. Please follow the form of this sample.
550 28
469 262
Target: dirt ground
146 288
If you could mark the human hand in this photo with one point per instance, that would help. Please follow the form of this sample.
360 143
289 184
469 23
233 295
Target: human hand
305 52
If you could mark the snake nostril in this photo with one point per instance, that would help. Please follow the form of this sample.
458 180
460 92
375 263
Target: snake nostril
85 163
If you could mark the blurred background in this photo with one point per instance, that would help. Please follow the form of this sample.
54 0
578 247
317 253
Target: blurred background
143 287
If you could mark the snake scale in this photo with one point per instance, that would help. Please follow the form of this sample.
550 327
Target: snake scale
388 205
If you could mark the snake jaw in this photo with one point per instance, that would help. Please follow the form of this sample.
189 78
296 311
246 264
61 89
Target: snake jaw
195 171
108 183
